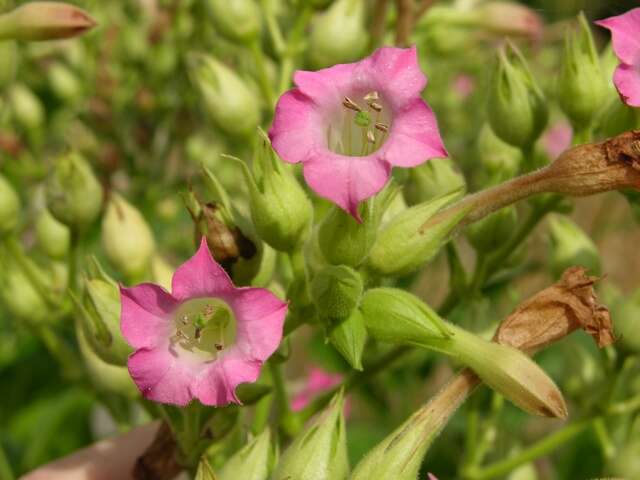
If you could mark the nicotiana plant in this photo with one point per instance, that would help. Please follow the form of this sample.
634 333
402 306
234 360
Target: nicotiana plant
287 150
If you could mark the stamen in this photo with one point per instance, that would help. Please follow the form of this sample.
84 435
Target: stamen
185 320
371 137
219 346
372 96
375 107
351 105
382 127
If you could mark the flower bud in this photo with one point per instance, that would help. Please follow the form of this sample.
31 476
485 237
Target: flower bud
18 294
582 86
126 238
509 19
106 377
517 107
9 207
493 231
618 117
8 63
319 452
349 337
161 271
63 82
338 35
626 462
395 316
230 103
433 179
500 161
53 237
35 21
74 196
336 290
570 246
627 315
254 461
280 209
239 20
402 248
26 107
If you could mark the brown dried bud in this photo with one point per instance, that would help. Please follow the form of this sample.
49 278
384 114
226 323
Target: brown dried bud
597 167
555 312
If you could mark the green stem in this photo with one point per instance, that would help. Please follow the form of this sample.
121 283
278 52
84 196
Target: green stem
65 356
273 28
74 260
297 32
606 445
538 449
281 397
263 77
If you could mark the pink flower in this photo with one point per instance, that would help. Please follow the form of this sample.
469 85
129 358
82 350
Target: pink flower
318 381
464 85
626 44
201 340
557 139
351 123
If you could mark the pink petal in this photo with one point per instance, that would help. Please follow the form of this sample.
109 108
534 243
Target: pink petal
200 276
414 137
627 81
346 181
145 314
217 383
162 376
398 73
328 87
624 35
297 127
259 321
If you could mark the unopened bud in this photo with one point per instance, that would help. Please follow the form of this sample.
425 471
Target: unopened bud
36 21
582 86
339 34
74 196
319 451
239 20
8 63
349 337
517 107
280 209
570 245
64 82
433 179
127 238
19 295
401 247
500 161
493 231
626 463
254 461
336 290
9 207
228 100
509 19
26 107
53 237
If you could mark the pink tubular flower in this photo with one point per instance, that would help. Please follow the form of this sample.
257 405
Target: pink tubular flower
626 45
201 340
318 381
351 123
557 139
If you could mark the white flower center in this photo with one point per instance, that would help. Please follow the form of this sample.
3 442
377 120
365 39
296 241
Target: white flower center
204 327
361 125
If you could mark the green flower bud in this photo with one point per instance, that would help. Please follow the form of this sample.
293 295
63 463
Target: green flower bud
205 472
433 179
280 209
336 290
127 238
9 207
517 107
582 85
571 246
8 63
99 317
239 20
339 34
319 452
349 337
500 161
627 320
252 462
161 271
18 294
53 237
36 21
626 463
228 100
74 196
26 107
64 82
618 117
401 247
104 376
493 231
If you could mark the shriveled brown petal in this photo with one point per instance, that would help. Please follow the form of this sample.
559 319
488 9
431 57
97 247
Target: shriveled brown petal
555 312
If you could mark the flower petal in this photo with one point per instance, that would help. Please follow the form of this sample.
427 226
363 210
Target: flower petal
200 276
217 383
163 377
627 81
259 321
327 87
346 181
297 127
145 314
414 137
624 35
